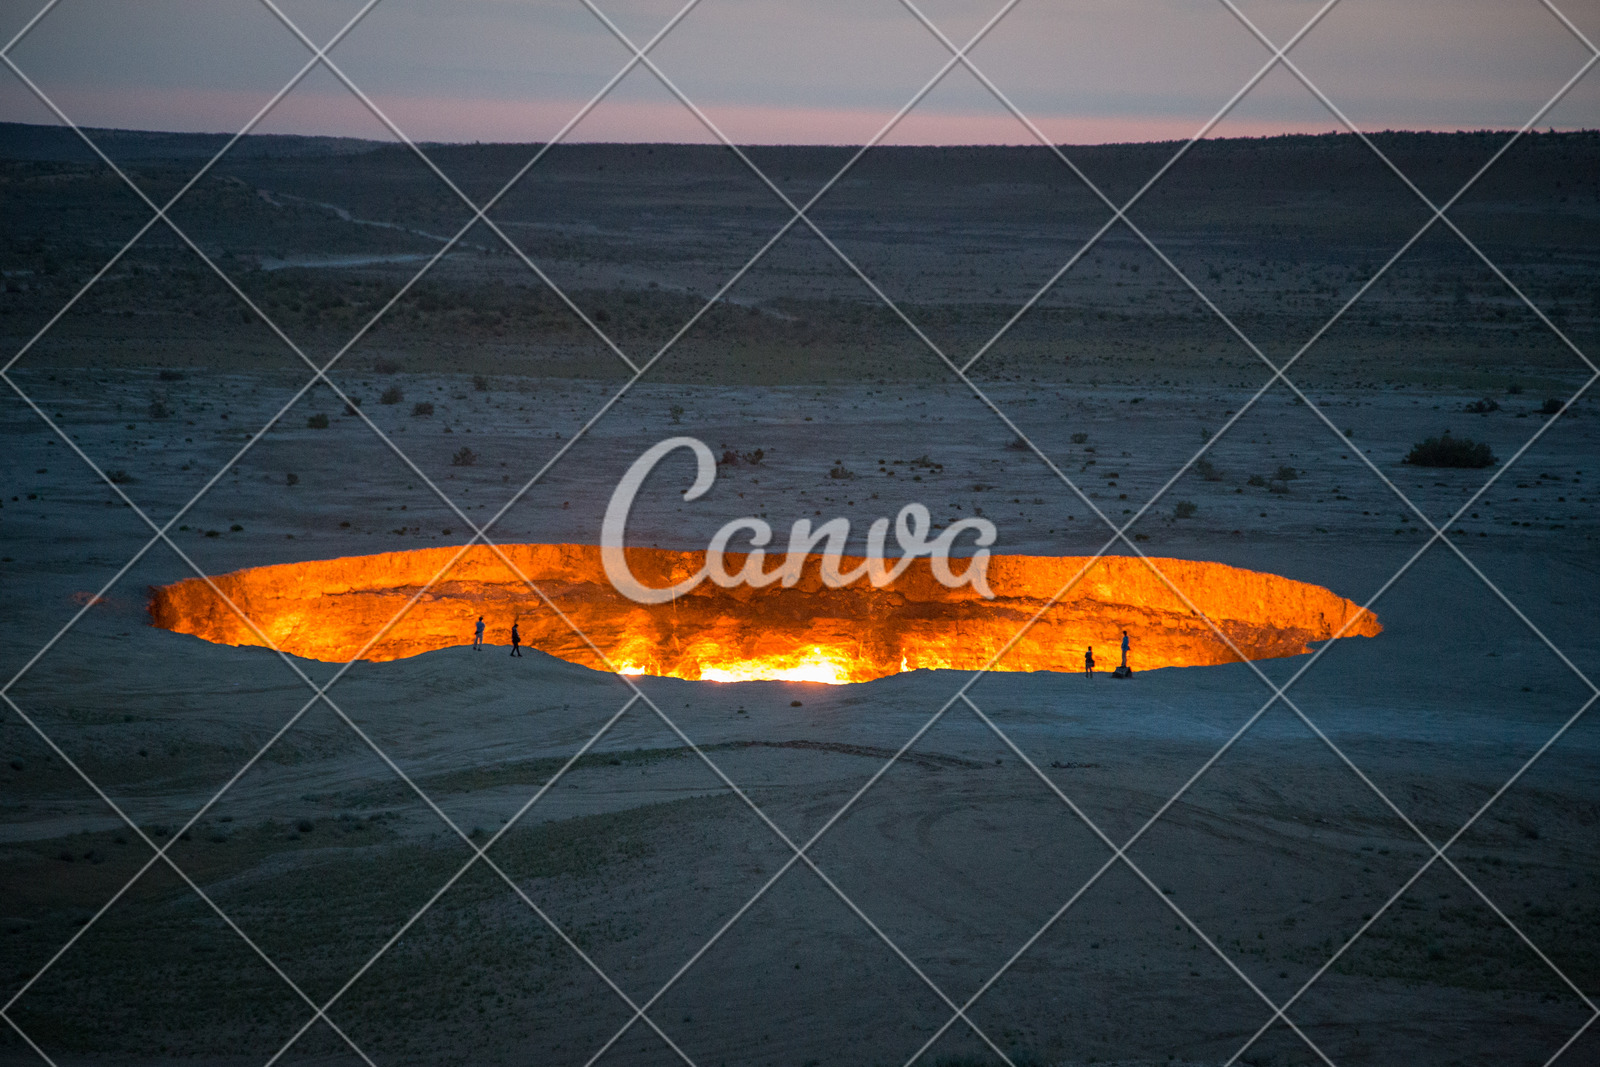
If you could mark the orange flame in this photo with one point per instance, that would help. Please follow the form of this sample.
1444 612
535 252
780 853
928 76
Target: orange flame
333 610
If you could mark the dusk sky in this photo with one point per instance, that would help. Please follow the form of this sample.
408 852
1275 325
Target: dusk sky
818 71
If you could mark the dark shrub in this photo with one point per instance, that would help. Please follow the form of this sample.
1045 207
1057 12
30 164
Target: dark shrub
1079 438
466 457
1551 406
392 395
1256 480
480 383
171 376
1184 509
1447 451
159 409
319 421
1207 470
1287 474
1482 407
422 407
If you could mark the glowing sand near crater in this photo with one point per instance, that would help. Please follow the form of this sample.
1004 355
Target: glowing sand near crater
331 609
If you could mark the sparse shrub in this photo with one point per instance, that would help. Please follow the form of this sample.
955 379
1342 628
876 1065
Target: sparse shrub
1278 487
480 383
1482 407
1207 470
319 421
421 408
159 409
291 478
119 477
840 472
305 826
170 375
1184 509
464 457
1017 444
1079 438
1287 474
676 411
1447 451
754 457
382 365
392 395
1257 481
351 405
1552 406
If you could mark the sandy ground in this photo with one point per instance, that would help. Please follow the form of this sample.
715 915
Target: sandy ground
957 856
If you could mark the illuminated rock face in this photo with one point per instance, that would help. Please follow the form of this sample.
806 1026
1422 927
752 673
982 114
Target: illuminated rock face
331 609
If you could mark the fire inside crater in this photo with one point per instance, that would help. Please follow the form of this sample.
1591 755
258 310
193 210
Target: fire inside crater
330 609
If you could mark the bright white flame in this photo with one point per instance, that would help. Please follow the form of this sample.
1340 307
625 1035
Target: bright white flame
815 666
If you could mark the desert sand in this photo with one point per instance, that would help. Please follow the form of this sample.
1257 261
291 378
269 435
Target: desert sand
964 848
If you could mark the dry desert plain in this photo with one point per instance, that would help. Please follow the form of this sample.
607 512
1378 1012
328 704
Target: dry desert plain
953 868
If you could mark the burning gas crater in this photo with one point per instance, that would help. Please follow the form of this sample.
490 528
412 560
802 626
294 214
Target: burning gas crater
329 609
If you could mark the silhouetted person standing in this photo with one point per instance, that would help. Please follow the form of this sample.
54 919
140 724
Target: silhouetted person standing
477 637
1124 649
1088 662
516 641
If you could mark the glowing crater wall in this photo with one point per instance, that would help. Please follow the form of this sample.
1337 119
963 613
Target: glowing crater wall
329 610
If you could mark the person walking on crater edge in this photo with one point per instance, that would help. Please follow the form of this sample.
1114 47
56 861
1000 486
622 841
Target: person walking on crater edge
477 636
1088 662
516 641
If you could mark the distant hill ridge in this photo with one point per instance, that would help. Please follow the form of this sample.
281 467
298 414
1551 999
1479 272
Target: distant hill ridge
47 143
